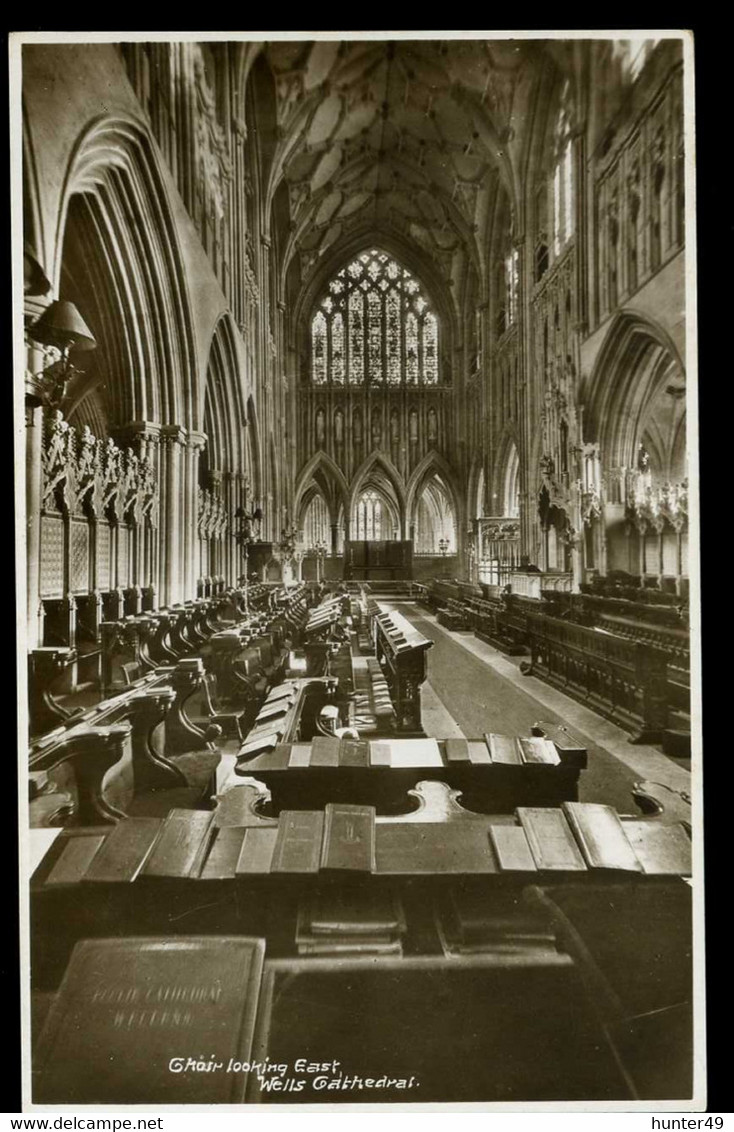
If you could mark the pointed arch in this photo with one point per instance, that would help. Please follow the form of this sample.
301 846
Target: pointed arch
224 413
433 464
378 462
324 472
636 362
115 193
506 467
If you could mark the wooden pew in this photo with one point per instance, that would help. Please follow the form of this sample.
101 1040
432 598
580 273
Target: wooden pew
623 680
382 771
402 653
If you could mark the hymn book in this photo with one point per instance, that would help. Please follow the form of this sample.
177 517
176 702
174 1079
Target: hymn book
298 842
512 849
76 857
178 850
349 838
224 851
551 841
601 837
503 749
125 851
662 850
126 1007
414 848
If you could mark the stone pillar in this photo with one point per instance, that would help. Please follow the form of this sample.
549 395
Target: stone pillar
195 443
172 514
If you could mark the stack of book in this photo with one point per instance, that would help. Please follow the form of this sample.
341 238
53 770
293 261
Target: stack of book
478 924
578 837
351 921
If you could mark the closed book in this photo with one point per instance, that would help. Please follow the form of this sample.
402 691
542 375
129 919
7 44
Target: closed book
551 841
76 857
179 848
503 749
505 952
126 1005
258 745
339 946
277 759
474 916
280 691
661 849
511 847
479 754
256 854
380 754
270 712
534 750
280 703
354 752
300 755
306 936
324 751
415 753
263 729
298 844
457 750
124 852
351 911
349 838
224 851
416 848
601 837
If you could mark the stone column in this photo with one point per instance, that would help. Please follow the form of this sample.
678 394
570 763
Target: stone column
172 514
195 443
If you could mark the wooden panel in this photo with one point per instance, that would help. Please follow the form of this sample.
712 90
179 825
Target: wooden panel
52 556
103 556
122 556
79 557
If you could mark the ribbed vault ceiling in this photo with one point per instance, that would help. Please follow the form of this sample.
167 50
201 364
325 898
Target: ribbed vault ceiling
398 136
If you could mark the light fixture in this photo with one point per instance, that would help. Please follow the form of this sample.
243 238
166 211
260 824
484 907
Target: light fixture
62 327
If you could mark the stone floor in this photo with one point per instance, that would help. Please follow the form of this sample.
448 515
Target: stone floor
473 688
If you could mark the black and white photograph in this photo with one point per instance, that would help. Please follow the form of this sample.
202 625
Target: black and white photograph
357 550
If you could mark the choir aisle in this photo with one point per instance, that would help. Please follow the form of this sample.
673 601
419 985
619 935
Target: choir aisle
480 689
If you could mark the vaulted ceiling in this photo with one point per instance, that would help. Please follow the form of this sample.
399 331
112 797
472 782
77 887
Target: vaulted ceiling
403 137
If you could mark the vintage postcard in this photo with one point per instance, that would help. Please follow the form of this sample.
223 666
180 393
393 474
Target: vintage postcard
357 528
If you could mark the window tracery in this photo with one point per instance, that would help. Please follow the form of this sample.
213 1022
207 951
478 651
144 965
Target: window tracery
374 325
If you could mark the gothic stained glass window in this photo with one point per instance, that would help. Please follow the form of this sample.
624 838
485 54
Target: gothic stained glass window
374 324
430 353
369 516
393 336
318 350
374 334
337 349
411 348
356 337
